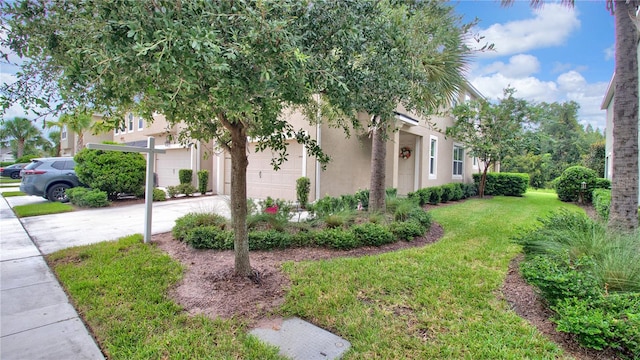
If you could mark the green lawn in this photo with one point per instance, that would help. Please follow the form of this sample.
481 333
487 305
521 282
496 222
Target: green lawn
13 193
5 181
41 209
441 301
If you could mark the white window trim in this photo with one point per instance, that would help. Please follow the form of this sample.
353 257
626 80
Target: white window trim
453 160
475 162
140 122
433 175
63 132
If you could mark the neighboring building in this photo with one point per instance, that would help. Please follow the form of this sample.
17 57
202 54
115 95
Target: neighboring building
418 155
6 155
135 132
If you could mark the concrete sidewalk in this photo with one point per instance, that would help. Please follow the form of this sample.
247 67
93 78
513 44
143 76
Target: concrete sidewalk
37 320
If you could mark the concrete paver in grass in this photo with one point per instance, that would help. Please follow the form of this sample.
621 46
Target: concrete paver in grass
300 340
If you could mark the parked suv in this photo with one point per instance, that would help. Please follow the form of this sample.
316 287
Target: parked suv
12 171
49 178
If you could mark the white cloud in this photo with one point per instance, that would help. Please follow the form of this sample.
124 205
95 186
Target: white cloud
568 86
519 66
550 26
610 52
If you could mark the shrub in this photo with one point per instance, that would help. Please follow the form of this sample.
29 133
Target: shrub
611 320
406 230
303 187
372 234
470 190
209 237
203 181
421 217
192 221
25 159
186 189
435 195
568 185
505 184
422 196
268 239
185 176
457 193
403 209
602 183
391 192
84 197
601 201
113 172
336 238
363 197
559 277
447 192
159 195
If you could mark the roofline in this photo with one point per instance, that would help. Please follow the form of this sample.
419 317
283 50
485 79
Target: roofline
608 96
473 90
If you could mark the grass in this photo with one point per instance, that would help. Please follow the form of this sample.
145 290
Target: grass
41 209
13 193
4 181
437 302
120 289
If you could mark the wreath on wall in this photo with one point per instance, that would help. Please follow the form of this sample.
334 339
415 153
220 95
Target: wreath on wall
405 152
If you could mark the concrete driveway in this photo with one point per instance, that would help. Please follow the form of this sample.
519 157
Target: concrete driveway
58 231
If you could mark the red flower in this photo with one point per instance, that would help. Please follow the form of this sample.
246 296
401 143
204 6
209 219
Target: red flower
272 210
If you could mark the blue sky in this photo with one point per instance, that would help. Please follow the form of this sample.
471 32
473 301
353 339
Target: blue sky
554 53
550 54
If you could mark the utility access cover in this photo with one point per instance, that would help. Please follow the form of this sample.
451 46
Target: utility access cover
300 340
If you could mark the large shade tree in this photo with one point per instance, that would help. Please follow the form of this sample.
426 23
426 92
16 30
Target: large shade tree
399 53
226 69
623 214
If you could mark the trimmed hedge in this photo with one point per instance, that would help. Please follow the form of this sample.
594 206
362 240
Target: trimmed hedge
505 184
203 181
185 176
83 197
113 172
602 202
568 185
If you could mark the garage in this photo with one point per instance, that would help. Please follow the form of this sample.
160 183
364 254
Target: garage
263 181
169 164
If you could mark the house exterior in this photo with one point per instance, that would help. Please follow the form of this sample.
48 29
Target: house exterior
135 132
418 155
607 104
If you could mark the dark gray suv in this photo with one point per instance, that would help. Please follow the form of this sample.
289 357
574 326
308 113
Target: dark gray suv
49 178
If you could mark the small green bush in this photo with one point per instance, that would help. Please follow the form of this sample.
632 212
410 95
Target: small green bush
470 189
336 239
602 183
421 217
568 185
192 221
601 202
370 234
268 240
84 197
159 195
209 237
186 189
25 158
435 196
303 187
407 230
172 191
447 192
403 209
185 176
203 181
458 193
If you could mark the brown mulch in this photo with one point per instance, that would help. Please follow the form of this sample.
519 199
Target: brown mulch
209 286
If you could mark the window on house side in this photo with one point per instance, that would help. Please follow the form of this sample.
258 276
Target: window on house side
140 123
458 160
432 156
63 132
130 122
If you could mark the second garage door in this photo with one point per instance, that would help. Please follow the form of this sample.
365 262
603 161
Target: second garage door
263 181
169 164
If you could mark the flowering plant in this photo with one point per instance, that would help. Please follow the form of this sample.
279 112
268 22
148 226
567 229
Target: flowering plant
405 152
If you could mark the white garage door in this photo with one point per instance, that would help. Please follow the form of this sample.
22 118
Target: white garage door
263 181
169 164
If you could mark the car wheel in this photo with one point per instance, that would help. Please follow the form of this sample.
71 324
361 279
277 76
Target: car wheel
15 175
57 193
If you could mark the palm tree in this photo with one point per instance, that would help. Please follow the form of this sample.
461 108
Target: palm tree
77 123
19 130
54 138
623 213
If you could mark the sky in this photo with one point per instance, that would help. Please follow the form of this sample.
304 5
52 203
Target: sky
555 53
552 54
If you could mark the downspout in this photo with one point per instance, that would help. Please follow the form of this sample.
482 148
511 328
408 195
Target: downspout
318 139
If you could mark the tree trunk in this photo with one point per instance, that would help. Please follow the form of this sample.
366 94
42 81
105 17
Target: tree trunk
377 192
483 181
20 148
80 141
624 184
239 163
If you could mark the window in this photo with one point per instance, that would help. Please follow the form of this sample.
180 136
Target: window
458 156
130 122
455 99
433 148
63 133
140 123
475 162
